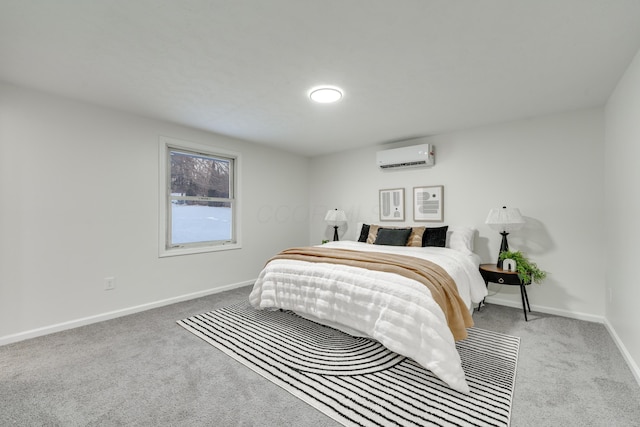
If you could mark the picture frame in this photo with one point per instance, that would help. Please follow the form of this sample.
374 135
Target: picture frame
428 203
392 204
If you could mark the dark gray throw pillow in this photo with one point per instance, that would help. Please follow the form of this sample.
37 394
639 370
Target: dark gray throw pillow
393 236
435 236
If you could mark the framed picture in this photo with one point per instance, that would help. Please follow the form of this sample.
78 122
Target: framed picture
428 203
392 204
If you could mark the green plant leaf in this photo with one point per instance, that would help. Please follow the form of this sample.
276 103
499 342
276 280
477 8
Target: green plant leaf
528 271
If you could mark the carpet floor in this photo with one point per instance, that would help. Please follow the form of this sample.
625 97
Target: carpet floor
144 370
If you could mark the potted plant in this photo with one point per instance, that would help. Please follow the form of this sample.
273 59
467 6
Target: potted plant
527 270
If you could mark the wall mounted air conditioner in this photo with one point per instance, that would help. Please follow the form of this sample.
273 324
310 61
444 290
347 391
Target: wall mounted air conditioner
406 157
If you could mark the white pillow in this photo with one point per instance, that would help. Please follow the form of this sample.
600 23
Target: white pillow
460 238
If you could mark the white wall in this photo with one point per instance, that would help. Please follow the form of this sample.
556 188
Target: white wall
79 202
551 168
622 219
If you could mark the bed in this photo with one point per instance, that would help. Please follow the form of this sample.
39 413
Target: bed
371 297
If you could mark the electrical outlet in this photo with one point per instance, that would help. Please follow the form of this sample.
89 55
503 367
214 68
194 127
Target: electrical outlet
109 283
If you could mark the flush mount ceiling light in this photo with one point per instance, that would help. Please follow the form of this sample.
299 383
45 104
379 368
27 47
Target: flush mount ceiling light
325 95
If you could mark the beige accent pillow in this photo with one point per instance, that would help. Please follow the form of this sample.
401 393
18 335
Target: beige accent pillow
415 238
373 233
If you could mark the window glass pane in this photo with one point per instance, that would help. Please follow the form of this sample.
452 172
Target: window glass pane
199 175
194 222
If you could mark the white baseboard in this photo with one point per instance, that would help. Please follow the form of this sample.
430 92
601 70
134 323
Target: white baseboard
633 366
548 310
21 336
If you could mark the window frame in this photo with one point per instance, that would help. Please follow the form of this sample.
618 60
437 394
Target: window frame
166 145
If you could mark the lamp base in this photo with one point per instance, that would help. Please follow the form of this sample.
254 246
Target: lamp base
504 247
335 233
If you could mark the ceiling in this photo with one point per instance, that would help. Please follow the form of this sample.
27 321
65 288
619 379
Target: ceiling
243 68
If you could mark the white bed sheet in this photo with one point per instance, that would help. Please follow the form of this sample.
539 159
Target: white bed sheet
394 310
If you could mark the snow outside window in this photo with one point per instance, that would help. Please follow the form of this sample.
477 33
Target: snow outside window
199 199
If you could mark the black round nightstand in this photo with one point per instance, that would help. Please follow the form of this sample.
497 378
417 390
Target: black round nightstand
491 273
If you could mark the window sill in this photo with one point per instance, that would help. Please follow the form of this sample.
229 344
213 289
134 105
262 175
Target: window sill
198 250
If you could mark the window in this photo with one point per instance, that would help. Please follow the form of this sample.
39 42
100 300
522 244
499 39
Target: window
199 207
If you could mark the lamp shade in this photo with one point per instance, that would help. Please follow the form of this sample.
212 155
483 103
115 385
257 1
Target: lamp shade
505 219
335 217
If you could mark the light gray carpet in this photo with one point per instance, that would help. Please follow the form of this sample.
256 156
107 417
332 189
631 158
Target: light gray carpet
146 370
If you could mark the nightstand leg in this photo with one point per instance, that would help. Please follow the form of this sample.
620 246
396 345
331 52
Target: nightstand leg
526 298
486 283
524 308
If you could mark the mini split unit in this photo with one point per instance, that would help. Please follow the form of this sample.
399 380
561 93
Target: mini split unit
406 157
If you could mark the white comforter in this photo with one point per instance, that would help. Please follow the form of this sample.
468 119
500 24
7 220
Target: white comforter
396 311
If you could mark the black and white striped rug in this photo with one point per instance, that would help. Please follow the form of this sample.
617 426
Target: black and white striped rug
356 380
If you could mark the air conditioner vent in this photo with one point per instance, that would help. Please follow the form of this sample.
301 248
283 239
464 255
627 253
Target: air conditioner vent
406 157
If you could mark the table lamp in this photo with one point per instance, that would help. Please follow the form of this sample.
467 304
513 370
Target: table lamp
505 220
335 217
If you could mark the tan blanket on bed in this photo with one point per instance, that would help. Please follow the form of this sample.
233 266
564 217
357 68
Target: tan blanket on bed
434 277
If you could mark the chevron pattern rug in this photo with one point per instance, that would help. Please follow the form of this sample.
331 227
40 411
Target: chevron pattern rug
356 380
